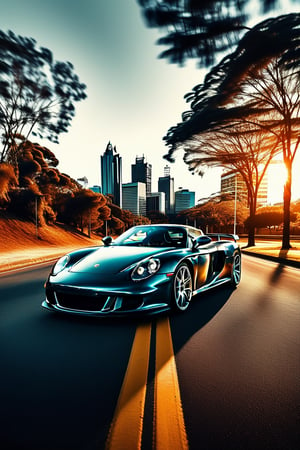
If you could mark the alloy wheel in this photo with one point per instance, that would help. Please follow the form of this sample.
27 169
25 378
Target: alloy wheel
182 287
236 270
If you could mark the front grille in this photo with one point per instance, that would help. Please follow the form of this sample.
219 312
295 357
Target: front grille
81 302
131 302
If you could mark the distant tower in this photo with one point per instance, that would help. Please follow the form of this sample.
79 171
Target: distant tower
167 171
111 174
166 185
141 172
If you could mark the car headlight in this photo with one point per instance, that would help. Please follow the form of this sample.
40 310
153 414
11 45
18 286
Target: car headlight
145 269
60 265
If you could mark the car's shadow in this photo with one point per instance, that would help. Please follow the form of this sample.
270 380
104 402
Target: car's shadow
203 308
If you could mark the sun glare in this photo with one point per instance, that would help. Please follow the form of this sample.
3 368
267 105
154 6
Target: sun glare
277 175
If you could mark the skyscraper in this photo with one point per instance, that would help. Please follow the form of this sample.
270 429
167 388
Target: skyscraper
166 185
134 198
141 172
156 201
184 199
111 174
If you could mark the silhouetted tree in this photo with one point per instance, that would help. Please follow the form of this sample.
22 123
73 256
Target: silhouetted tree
241 148
214 101
199 29
277 89
37 93
257 83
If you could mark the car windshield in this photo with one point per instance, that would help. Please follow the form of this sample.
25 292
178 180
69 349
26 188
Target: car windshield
153 237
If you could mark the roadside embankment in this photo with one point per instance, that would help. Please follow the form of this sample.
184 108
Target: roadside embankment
22 244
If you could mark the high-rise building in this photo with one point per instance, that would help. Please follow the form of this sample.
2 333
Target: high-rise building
96 189
184 199
156 201
262 195
166 185
134 198
141 172
111 174
231 181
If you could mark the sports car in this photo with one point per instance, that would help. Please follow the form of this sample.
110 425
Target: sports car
148 268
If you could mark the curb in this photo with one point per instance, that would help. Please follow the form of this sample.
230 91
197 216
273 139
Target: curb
282 261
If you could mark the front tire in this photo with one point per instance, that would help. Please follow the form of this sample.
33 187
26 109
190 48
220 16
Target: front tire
182 287
236 270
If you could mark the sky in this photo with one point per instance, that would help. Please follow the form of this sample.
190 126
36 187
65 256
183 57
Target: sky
133 96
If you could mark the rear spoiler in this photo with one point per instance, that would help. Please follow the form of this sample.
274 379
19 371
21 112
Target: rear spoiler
223 237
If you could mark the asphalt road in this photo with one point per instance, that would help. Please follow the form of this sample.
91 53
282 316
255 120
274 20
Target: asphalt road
236 352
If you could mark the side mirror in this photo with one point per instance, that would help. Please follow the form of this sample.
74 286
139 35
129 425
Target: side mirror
201 240
107 240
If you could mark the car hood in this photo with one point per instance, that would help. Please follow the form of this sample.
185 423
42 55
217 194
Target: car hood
113 259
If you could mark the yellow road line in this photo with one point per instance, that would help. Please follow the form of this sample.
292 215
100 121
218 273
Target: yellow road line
170 432
127 425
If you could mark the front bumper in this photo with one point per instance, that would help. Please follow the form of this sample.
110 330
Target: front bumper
141 298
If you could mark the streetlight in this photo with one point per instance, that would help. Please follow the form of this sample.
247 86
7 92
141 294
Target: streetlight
235 203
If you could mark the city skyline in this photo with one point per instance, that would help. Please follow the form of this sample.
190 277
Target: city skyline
270 191
137 195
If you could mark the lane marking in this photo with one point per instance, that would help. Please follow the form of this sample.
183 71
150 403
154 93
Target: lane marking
127 425
169 426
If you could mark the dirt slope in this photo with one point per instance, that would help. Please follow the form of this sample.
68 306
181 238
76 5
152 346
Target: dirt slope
19 243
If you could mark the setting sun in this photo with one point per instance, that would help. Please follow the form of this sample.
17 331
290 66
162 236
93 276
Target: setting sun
276 178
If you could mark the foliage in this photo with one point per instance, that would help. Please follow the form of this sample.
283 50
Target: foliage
216 215
157 217
7 181
37 93
268 219
34 189
215 102
198 29
257 85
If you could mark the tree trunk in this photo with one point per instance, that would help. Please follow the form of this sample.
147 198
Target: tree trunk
251 233
251 226
286 207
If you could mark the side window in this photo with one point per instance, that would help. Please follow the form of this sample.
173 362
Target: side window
176 238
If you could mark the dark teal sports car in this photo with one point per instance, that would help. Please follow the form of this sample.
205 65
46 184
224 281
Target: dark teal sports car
149 268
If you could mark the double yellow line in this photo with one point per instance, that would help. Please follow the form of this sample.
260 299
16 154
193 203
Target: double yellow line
127 425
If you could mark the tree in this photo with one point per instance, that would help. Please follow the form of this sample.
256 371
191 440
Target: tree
37 94
241 148
212 102
198 29
278 89
258 84
84 209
